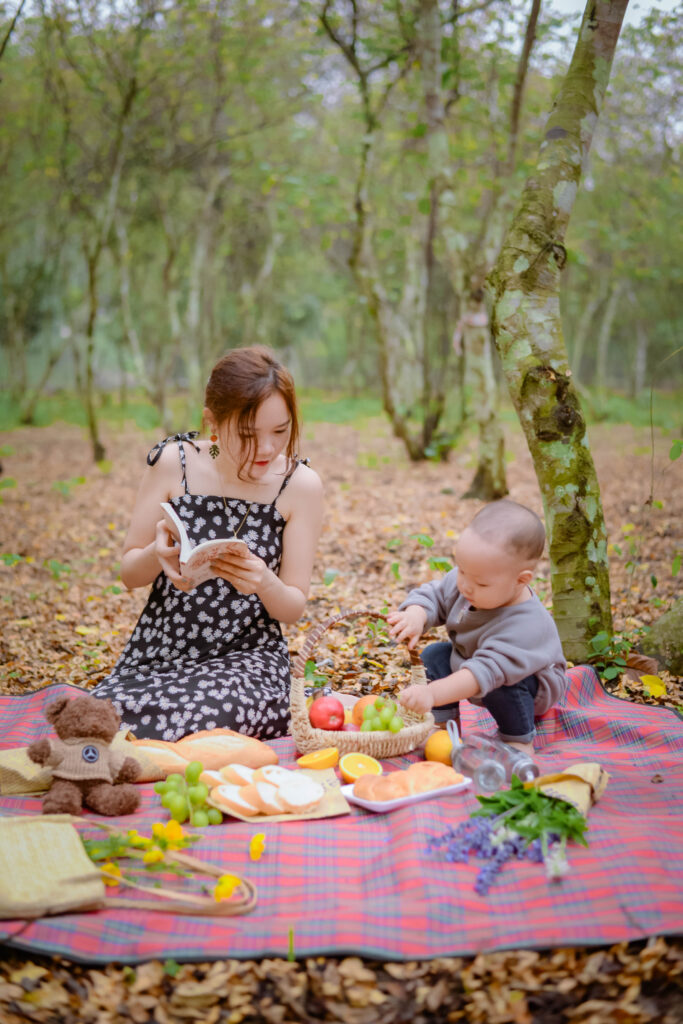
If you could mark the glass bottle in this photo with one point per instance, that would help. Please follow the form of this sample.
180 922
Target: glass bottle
490 762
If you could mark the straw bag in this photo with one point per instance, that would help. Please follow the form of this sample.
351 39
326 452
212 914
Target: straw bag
44 869
377 744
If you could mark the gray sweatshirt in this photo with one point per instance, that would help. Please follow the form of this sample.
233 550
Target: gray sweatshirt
500 646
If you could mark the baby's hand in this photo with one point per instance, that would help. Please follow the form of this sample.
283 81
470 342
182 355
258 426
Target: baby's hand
407 624
418 698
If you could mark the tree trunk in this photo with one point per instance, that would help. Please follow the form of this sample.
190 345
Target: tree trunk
482 393
29 401
581 332
604 335
528 332
98 450
640 361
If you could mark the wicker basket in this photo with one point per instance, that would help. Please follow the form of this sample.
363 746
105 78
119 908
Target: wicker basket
377 744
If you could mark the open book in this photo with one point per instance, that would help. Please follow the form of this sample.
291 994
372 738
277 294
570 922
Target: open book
195 559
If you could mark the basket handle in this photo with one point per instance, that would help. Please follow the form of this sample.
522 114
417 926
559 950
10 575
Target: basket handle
417 670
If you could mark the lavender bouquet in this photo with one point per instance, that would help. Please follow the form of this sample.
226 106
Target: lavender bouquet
518 823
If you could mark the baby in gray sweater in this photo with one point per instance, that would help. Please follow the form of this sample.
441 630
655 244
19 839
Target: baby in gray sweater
504 651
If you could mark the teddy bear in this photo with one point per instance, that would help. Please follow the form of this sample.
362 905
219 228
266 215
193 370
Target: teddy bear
85 769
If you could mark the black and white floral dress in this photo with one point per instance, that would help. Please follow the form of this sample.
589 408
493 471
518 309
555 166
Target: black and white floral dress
211 658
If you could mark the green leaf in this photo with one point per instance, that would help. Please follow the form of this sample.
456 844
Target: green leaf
424 206
440 564
330 576
676 564
394 543
676 449
171 967
395 570
7 483
424 539
10 559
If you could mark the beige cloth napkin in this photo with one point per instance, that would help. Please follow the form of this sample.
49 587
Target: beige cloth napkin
581 785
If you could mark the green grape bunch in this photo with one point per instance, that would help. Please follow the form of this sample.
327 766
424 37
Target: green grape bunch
184 797
381 716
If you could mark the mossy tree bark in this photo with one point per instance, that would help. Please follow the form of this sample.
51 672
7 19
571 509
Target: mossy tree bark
527 328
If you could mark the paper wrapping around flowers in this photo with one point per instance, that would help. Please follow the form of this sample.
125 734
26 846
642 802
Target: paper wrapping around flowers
19 775
44 868
580 785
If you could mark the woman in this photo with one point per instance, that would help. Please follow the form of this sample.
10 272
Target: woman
214 656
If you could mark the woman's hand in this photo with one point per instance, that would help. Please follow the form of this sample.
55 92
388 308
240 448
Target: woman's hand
246 571
167 550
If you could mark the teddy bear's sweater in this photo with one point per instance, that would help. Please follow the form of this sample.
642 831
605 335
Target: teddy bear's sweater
84 758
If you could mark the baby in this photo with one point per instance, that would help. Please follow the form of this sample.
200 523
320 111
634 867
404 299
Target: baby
504 651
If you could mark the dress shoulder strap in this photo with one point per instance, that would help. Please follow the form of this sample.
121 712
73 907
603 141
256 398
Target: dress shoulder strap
291 471
154 454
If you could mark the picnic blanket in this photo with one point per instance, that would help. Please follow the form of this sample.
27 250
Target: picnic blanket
366 884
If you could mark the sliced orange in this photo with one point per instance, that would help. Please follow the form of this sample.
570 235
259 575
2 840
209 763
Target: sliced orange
352 766
328 757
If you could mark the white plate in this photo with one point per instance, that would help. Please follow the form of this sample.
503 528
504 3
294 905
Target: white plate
391 805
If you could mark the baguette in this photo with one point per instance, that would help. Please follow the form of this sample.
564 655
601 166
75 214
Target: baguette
239 774
211 779
216 748
300 793
274 774
163 756
229 797
250 792
268 797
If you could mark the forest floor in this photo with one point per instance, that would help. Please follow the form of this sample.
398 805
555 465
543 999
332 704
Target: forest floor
64 617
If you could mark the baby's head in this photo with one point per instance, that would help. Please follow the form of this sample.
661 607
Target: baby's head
497 553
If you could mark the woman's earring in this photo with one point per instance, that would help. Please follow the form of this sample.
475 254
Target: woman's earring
213 447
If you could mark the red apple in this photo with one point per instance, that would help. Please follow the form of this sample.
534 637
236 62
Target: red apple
326 713
350 727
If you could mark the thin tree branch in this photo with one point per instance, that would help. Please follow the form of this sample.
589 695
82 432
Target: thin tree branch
520 79
9 31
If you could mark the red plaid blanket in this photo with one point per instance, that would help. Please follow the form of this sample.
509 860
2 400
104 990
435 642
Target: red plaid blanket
365 883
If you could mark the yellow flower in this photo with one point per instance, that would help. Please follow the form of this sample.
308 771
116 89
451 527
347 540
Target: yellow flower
170 835
257 845
153 856
138 841
108 870
174 833
225 887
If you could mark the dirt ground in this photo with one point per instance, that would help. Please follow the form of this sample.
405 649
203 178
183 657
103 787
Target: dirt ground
65 617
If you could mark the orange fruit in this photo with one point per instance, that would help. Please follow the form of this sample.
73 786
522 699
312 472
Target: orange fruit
438 747
328 757
352 766
359 707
